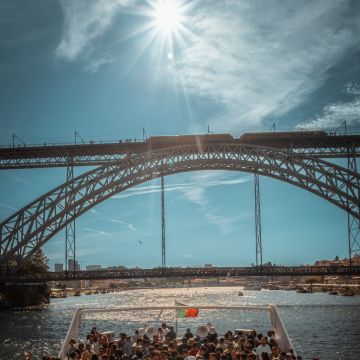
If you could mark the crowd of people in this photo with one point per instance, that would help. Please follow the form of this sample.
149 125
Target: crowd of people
162 344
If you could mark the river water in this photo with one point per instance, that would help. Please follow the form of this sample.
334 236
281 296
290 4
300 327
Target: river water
317 323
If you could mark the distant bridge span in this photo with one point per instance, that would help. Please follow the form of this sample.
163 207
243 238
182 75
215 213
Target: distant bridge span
36 223
185 272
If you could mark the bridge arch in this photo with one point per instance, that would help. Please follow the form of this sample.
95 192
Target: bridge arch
36 223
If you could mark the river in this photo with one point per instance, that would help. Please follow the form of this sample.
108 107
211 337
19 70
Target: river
317 323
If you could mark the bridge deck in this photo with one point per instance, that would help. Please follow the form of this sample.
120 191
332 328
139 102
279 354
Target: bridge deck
184 272
94 154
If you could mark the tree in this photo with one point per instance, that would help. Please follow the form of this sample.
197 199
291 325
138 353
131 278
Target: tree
37 263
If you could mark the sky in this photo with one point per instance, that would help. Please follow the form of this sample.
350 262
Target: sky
108 69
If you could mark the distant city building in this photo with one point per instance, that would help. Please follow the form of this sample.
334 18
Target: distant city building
59 267
208 265
71 265
93 267
120 267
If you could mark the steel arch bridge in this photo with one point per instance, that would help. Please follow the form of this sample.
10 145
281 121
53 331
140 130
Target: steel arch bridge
36 223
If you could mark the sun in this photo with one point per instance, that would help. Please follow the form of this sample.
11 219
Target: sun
168 15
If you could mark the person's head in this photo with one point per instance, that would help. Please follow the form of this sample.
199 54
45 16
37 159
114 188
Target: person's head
263 341
265 356
94 357
73 356
212 356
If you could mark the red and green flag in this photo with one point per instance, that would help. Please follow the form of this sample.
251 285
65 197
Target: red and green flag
186 313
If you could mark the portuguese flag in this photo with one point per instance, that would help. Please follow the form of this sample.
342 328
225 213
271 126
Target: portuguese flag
186 313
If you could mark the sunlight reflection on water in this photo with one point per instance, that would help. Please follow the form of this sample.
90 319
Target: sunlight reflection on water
312 320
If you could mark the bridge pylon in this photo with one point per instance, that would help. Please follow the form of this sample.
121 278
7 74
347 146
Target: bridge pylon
163 233
70 229
353 222
258 240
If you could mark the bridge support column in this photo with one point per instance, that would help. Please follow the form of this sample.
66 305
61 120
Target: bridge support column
70 235
163 234
258 222
353 222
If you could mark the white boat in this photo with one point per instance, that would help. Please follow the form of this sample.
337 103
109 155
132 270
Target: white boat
281 335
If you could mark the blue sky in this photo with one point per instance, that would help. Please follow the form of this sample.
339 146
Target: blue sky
109 68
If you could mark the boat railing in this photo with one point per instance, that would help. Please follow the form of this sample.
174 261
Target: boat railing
281 335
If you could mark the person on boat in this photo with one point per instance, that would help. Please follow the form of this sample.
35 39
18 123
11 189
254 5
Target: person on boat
128 346
164 328
263 347
188 334
194 350
212 336
171 335
87 353
183 346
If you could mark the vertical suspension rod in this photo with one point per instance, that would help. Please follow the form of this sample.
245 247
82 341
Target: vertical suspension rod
163 237
258 222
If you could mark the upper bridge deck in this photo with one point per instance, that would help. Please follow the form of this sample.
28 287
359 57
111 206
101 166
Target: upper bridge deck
315 143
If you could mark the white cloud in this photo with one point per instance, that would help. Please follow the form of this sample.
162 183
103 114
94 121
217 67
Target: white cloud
193 191
95 64
258 59
334 116
117 221
84 21
9 207
352 88
98 232
129 225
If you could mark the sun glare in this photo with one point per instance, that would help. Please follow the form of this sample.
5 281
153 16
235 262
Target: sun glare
168 15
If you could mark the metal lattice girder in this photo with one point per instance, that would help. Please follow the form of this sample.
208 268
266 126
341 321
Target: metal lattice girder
259 260
163 232
32 226
97 154
70 230
353 222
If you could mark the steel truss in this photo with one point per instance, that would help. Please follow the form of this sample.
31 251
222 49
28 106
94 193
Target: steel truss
163 233
259 259
353 221
184 272
32 226
100 154
70 229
